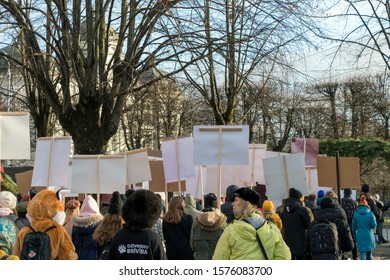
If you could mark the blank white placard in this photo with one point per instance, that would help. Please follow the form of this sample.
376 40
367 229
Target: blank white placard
137 166
178 159
51 162
14 135
226 148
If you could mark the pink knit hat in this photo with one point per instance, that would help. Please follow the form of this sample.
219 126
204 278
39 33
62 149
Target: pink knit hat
89 207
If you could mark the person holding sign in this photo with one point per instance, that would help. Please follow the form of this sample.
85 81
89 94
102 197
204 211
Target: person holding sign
241 240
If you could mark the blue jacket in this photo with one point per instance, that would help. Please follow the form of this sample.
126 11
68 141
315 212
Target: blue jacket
363 223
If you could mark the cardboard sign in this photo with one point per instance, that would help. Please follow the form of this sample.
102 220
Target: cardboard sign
157 184
23 180
349 172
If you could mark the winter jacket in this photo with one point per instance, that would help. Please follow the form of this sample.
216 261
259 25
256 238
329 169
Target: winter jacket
177 239
82 231
333 215
269 212
205 234
363 223
190 208
238 241
8 234
227 207
372 205
296 219
136 245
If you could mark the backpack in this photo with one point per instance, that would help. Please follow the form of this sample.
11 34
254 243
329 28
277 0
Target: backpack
349 207
324 241
36 245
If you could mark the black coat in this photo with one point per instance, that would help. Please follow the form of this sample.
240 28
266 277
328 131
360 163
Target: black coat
177 239
334 215
136 245
296 219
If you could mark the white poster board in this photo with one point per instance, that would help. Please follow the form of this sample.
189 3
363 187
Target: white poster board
14 135
137 167
253 172
285 172
178 159
51 162
101 174
221 145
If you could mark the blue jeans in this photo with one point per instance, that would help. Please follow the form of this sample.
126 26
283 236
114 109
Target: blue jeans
365 255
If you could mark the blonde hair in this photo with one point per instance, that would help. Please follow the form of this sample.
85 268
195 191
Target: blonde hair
175 210
331 194
106 230
244 209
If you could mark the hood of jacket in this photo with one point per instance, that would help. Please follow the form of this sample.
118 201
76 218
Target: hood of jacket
330 214
190 201
247 230
211 221
80 221
363 209
230 192
292 204
268 206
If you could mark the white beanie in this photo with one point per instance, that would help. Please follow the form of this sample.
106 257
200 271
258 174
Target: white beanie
7 200
89 207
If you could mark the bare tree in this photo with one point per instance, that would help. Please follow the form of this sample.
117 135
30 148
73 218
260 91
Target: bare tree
86 57
242 40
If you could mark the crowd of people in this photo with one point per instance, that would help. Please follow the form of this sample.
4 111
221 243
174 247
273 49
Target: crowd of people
136 226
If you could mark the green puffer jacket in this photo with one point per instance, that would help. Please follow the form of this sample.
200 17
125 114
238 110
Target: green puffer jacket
238 241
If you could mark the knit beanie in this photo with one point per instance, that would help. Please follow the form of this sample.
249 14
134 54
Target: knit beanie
210 200
7 200
295 193
115 203
320 194
89 207
363 200
347 191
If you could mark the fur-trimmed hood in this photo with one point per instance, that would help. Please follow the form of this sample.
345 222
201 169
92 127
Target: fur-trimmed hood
80 221
211 221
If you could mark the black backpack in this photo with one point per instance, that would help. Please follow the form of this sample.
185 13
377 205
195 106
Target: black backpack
36 245
324 240
349 207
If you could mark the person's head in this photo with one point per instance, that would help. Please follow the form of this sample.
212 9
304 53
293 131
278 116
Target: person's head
312 197
175 210
210 200
347 192
328 202
331 194
115 204
141 210
89 207
363 201
7 200
268 206
111 222
245 203
294 193
376 196
365 188
320 194
129 192
230 192
190 201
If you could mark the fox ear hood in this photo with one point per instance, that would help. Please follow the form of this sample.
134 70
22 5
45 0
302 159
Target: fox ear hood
44 205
